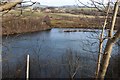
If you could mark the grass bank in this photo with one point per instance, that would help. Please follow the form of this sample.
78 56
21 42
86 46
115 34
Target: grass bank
22 24
35 21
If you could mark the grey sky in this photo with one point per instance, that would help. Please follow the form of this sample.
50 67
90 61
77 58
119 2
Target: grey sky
60 2
64 2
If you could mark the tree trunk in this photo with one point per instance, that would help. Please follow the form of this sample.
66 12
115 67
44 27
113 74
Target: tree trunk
109 45
101 41
107 54
114 18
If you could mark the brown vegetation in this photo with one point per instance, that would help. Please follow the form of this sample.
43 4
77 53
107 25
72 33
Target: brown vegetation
22 24
71 22
12 25
80 22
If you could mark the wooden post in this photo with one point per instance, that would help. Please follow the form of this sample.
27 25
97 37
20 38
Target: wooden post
0 46
27 71
0 64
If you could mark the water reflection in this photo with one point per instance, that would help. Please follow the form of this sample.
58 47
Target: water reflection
52 54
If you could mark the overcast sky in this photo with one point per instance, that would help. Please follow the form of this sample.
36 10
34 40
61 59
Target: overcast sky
62 2
59 2
65 2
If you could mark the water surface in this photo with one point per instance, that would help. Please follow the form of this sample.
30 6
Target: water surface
49 53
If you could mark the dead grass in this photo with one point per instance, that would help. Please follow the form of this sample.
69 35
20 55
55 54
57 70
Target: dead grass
33 21
12 25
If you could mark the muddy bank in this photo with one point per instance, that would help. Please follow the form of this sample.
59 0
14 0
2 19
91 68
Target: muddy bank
15 25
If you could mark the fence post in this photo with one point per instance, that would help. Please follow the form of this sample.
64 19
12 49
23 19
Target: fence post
28 64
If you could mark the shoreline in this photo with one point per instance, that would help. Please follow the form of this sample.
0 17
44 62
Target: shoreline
26 32
48 29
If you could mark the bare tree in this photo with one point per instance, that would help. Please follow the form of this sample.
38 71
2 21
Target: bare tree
72 62
10 5
109 45
101 40
6 6
112 39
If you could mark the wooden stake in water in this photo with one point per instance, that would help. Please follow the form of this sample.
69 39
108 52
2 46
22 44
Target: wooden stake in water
27 71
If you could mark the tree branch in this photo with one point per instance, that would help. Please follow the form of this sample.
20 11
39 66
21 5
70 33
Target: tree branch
10 5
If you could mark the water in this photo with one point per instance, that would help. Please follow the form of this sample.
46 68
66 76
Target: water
50 52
